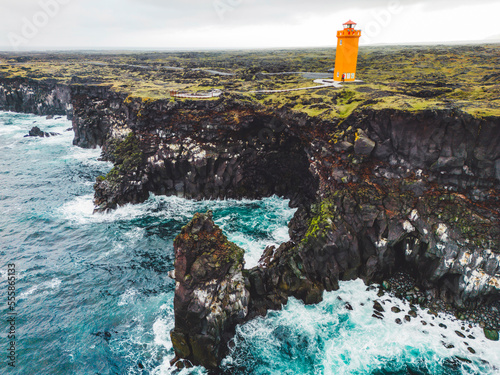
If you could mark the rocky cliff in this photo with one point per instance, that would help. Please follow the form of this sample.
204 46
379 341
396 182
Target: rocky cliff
39 97
220 149
211 296
378 194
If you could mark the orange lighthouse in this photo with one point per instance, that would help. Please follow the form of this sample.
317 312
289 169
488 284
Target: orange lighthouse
347 53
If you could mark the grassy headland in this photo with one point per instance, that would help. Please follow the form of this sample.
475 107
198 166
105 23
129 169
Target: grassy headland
465 77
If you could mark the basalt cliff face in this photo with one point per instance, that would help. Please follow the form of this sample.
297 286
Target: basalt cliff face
38 97
211 296
378 193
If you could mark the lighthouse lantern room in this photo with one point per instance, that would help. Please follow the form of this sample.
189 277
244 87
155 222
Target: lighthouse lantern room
346 58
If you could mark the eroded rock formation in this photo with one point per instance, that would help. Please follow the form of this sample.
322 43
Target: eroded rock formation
37 132
38 97
210 294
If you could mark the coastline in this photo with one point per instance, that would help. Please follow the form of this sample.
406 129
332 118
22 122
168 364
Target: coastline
368 188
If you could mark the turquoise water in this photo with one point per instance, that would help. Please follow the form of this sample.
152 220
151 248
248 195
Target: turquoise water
94 296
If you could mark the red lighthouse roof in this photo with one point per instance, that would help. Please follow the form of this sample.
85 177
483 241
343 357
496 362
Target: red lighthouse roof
350 23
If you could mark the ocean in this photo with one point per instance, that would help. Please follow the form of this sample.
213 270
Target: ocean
93 296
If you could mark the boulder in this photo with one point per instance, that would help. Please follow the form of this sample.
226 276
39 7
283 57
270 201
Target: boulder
36 132
363 145
491 334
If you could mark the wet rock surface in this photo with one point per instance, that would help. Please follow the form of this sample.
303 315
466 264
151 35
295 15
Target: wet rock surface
211 297
36 132
39 97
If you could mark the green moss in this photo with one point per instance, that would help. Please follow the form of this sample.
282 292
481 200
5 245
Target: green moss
394 76
323 213
113 175
128 152
491 334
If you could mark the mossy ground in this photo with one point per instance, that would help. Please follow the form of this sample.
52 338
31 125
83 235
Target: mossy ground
402 77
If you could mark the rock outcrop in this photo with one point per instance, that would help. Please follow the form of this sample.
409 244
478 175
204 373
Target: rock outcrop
210 294
208 150
37 132
39 97
100 116
371 232
214 292
456 148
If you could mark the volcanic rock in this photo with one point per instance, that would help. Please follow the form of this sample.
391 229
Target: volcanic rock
210 294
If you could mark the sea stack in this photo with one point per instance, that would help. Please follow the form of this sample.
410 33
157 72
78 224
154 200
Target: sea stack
210 294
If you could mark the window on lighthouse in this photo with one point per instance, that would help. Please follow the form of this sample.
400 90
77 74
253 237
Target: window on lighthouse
340 41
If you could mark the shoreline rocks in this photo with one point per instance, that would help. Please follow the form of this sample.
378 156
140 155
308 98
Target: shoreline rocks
36 132
211 297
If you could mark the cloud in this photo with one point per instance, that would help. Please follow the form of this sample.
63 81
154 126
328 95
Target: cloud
163 23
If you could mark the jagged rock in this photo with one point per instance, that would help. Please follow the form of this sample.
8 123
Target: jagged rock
210 294
378 315
41 97
378 307
460 334
36 132
363 145
343 146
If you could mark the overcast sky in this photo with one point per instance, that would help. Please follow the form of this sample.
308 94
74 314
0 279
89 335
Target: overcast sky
208 24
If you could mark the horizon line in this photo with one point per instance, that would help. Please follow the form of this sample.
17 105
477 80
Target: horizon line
4 49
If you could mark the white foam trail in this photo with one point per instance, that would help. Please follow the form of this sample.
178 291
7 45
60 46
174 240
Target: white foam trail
80 211
342 342
253 249
271 218
44 288
164 207
161 330
90 157
10 129
128 297
135 234
281 235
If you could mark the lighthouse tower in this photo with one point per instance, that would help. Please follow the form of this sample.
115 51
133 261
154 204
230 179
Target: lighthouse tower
347 52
